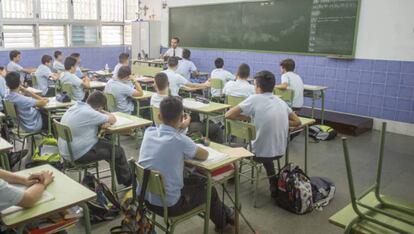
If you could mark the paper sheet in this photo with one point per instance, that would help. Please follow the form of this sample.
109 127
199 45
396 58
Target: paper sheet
214 156
191 104
46 196
121 121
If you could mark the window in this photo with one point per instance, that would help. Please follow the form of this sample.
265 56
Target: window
112 10
127 34
52 36
131 9
18 36
54 9
111 35
17 8
85 9
84 35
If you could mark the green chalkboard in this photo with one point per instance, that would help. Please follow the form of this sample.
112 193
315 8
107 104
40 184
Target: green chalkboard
295 26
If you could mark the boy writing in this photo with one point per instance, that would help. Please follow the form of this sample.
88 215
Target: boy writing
69 77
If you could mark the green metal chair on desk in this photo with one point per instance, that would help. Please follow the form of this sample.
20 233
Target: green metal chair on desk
217 84
156 187
286 95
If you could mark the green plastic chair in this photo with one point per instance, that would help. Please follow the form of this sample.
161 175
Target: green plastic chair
233 100
110 102
156 186
145 70
287 95
68 89
217 84
155 112
17 133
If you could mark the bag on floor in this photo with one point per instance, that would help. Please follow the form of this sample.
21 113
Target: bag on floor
106 206
322 132
294 190
47 152
323 191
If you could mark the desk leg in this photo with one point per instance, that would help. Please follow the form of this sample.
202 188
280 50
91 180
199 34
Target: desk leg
313 105
86 218
49 123
208 203
138 107
306 148
207 125
322 106
236 195
112 164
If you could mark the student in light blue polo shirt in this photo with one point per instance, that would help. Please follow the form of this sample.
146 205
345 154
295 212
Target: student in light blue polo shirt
272 118
241 87
221 74
123 60
30 118
78 71
186 67
14 66
84 120
58 63
69 77
120 88
164 149
3 89
291 80
176 81
45 76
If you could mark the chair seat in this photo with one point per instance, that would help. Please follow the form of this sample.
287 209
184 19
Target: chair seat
188 214
79 166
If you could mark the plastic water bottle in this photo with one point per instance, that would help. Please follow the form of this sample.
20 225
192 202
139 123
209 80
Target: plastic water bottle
106 67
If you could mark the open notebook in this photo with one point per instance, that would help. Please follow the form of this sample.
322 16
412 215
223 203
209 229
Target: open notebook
192 104
121 121
214 156
46 196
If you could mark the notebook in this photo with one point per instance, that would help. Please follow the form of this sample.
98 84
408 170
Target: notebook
191 104
214 156
121 121
46 196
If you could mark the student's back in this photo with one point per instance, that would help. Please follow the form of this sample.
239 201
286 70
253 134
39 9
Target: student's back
296 84
221 74
240 87
2 86
186 68
77 88
122 92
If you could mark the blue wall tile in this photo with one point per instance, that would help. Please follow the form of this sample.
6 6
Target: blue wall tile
407 67
394 66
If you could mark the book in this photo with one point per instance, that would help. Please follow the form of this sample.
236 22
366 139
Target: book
214 156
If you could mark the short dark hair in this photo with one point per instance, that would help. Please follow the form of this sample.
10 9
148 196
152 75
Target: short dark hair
177 39
123 57
186 53
124 72
219 62
13 54
46 58
75 55
96 99
57 53
1 68
288 64
161 80
172 61
13 80
243 71
171 109
265 80
70 62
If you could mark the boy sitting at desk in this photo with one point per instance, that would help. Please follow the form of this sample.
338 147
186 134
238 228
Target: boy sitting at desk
123 60
31 119
161 86
78 71
164 149
14 66
69 77
120 88
2 86
272 118
176 81
221 74
84 120
186 67
58 63
45 76
11 196
291 80
240 87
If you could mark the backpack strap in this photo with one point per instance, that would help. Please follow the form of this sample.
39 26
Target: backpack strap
143 188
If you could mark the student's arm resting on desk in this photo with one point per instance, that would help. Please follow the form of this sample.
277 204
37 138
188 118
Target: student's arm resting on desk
40 101
282 86
294 120
235 114
28 70
138 90
198 86
86 82
34 192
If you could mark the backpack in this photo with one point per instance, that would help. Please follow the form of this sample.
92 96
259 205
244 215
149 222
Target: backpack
294 191
106 206
322 132
47 152
323 191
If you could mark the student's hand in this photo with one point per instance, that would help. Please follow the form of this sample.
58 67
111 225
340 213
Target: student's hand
32 179
47 178
207 84
186 121
106 125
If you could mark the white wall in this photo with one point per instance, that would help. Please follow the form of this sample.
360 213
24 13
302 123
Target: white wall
386 27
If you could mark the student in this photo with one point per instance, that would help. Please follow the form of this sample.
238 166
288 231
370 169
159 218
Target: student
45 77
30 118
272 118
161 86
186 67
123 60
11 196
291 80
84 120
176 80
120 88
14 66
174 50
220 73
78 71
164 149
69 77
58 63
3 89
241 87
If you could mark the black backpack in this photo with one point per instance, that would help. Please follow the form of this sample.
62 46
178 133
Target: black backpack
323 191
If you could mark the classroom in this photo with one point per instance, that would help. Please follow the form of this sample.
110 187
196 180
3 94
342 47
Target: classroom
207 116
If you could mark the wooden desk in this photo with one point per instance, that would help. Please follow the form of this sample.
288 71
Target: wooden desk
210 109
154 62
346 215
316 92
235 154
53 105
5 146
84 69
67 193
102 73
97 85
147 95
